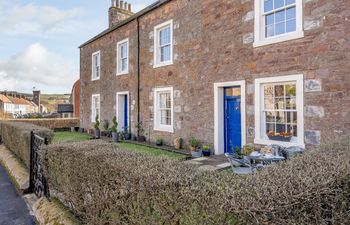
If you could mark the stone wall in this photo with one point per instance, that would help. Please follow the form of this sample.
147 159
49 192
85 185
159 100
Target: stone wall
213 42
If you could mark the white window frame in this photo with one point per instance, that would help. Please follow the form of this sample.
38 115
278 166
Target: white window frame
157 125
93 116
157 30
93 69
259 93
259 26
119 59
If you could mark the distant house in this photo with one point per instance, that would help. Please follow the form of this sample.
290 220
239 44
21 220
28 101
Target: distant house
13 104
65 110
6 105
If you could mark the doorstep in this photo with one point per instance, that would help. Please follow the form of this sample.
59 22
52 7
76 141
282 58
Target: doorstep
211 163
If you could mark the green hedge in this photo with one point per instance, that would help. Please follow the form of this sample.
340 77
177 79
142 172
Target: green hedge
103 184
16 137
51 123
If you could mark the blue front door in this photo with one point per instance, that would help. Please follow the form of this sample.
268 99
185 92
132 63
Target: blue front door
232 111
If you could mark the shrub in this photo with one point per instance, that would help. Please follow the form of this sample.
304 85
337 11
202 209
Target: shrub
107 185
54 123
16 137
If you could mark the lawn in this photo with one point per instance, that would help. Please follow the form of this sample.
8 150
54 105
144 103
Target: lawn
75 136
70 136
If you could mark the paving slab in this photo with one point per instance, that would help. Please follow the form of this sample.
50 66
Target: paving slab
13 209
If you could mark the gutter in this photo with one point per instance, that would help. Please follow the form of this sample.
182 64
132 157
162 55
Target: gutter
138 72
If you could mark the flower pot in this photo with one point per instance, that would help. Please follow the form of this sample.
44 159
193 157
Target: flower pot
196 154
127 136
206 152
141 138
97 133
159 144
178 143
115 137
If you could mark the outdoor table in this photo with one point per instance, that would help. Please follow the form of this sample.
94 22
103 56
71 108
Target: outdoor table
265 159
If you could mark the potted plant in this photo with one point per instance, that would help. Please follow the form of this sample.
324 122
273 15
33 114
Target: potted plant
196 152
127 135
159 142
178 143
97 132
105 131
140 132
283 136
248 149
206 150
115 136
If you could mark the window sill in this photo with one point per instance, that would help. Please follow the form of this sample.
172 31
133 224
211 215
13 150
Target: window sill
163 64
168 129
281 143
278 39
93 79
122 73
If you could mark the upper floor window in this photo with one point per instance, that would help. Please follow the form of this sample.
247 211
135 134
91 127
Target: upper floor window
123 57
163 109
277 21
163 44
96 66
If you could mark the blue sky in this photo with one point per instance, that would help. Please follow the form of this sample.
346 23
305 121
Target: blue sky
39 40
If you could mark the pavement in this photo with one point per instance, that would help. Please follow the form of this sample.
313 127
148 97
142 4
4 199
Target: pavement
214 162
13 209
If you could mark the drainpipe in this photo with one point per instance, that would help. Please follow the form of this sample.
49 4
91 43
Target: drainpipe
138 72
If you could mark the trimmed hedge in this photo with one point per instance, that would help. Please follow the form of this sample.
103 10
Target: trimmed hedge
16 137
103 184
54 123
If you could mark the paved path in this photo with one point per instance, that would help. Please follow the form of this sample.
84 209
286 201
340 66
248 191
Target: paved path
13 210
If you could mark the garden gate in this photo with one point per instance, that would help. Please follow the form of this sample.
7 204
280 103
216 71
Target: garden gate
37 182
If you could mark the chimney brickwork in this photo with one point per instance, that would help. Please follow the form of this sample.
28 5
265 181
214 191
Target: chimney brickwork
119 11
36 99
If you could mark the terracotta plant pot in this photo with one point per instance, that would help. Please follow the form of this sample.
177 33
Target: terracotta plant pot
178 143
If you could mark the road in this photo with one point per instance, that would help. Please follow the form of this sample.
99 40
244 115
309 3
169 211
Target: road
13 209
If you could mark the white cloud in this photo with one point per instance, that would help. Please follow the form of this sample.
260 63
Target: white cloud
29 18
37 66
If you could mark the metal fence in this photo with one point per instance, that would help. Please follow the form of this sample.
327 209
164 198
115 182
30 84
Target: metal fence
37 182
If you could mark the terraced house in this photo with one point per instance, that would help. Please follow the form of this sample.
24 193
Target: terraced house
228 72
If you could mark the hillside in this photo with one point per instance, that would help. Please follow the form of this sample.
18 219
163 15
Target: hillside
50 101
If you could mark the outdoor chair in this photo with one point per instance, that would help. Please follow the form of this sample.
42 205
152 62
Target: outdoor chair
236 160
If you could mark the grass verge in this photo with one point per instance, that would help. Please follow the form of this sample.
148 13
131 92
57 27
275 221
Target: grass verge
66 136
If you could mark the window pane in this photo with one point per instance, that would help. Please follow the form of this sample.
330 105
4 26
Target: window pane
123 51
268 90
164 36
270 31
288 2
292 117
268 5
165 53
280 128
291 103
269 19
291 25
291 90
280 28
281 117
270 127
278 4
271 117
280 16
291 13
269 103
279 90
279 103
124 64
234 91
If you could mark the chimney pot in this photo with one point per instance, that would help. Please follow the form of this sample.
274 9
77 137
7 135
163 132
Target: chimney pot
117 4
129 7
121 4
113 3
126 6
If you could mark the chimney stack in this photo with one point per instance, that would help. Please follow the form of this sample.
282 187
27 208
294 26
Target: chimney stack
120 10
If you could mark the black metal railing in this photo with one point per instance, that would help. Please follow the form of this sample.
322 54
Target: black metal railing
37 181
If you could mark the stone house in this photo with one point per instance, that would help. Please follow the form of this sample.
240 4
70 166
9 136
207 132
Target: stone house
228 72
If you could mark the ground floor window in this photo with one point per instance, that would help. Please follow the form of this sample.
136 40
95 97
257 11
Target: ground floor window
95 109
279 110
163 109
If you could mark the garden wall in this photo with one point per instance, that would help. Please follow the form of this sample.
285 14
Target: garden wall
16 137
54 123
104 184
